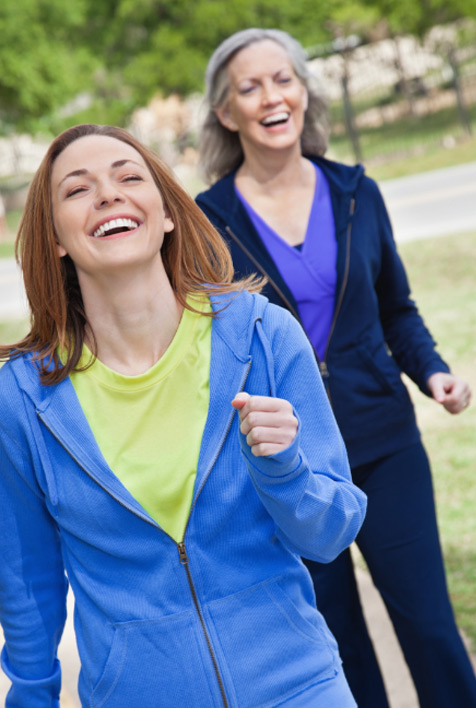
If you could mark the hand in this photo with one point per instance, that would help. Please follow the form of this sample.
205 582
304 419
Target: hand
453 393
268 423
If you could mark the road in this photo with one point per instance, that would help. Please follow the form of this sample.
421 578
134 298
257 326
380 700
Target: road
437 203
12 296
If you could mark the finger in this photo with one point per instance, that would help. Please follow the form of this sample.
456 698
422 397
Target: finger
280 436
268 419
267 449
240 400
438 393
268 403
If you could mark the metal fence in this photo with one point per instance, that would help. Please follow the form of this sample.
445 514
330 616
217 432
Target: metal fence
399 96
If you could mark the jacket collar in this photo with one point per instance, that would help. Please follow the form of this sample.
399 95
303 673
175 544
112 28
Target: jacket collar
222 200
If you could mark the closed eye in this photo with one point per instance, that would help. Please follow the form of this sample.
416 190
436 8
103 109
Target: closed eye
247 89
132 178
75 190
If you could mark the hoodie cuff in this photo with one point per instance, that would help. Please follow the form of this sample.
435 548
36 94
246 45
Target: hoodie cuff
32 692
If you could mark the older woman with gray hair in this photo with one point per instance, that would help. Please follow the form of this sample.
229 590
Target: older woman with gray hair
319 231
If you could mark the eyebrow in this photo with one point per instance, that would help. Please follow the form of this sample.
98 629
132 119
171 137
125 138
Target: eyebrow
84 171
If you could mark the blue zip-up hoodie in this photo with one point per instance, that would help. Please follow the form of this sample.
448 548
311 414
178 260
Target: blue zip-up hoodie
225 618
376 333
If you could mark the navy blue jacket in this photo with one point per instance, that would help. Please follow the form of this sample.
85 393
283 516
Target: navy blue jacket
376 333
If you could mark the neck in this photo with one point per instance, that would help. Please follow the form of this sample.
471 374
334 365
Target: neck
133 316
275 169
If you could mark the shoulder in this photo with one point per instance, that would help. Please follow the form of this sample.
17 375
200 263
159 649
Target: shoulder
20 381
11 394
219 193
348 178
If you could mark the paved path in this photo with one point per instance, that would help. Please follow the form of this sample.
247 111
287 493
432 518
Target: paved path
436 203
12 295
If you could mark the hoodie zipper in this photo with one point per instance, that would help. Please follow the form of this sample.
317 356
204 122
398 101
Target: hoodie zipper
184 559
183 556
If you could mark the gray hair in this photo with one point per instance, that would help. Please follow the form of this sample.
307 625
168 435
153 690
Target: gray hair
220 148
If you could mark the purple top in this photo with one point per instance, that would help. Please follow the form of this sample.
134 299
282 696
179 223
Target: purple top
310 269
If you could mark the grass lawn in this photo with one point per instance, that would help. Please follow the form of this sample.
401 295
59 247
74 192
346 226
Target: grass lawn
7 249
441 272
12 331
424 158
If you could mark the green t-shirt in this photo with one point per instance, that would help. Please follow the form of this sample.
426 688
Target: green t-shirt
149 427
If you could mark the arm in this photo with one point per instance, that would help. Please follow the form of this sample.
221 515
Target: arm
32 580
300 469
409 340
407 337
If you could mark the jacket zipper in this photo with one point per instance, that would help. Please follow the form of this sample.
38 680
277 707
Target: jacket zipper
323 364
181 546
185 561
263 272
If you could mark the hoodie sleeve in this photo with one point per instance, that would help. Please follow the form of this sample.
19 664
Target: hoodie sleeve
307 487
408 338
33 585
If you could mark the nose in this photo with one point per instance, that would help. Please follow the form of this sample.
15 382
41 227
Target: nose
107 193
271 95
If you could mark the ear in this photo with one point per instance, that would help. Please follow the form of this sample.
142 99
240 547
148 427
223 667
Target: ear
305 98
62 252
223 115
168 224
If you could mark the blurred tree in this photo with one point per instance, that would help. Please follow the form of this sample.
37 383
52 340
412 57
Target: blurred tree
410 17
162 46
41 65
120 53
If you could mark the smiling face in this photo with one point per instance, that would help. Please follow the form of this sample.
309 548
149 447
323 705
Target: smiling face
266 100
107 209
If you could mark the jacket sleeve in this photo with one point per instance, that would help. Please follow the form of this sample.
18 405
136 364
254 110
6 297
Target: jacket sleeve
307 487
407 337
33 585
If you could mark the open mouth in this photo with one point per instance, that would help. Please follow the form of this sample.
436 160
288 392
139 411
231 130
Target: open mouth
115 226
275 119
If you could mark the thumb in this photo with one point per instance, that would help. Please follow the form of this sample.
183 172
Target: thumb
239 400
439 392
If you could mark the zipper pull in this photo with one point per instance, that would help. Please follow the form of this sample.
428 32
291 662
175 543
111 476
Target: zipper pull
182 553
324 370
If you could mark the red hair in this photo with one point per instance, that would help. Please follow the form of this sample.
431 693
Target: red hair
195 258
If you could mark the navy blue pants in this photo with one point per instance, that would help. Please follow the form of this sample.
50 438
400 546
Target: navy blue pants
400 544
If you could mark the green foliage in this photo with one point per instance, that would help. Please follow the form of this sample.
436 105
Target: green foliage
40 68
164 46
410 17
122 52
119 53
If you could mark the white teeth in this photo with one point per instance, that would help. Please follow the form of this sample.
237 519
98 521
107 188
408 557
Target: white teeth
276 118
115 224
